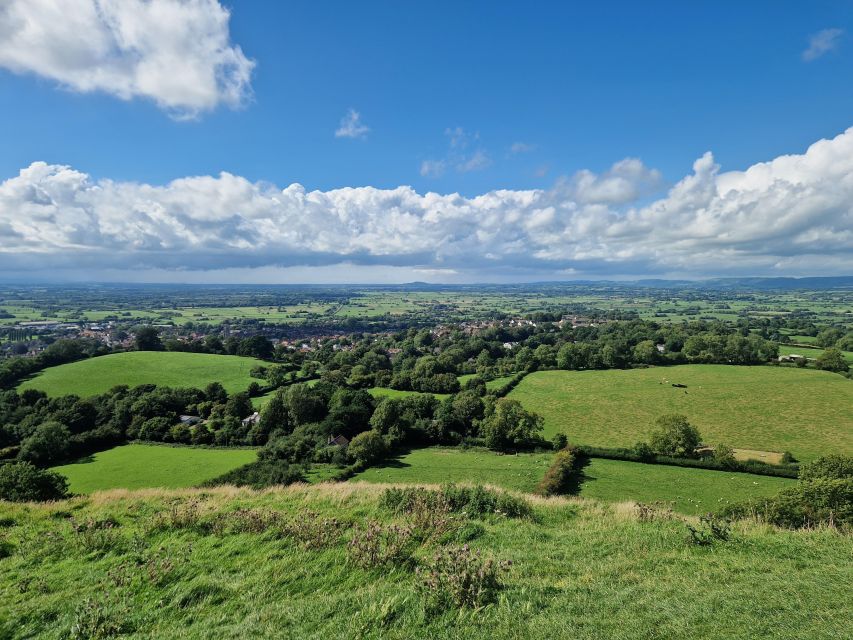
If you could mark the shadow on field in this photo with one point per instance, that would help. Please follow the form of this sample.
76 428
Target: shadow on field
578 477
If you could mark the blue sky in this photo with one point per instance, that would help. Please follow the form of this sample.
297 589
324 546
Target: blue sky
451 98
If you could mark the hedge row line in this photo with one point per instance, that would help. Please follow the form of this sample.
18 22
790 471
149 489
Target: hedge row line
751 466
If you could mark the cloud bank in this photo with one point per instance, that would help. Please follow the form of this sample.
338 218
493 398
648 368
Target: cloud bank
791 215
175 52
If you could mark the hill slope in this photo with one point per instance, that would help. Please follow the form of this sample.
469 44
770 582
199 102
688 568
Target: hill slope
165 368
203 564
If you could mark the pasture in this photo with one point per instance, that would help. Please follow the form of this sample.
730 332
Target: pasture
444 464
385 392
689 491
803 411
165 368
810 352
141 466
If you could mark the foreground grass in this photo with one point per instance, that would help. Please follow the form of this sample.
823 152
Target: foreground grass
164 368
806 412
521 472
136 466
690 491
580 570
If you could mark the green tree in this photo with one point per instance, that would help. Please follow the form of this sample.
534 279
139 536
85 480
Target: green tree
367 447
645 352
832 360
674 436
509 425
725 455
147 339
47 444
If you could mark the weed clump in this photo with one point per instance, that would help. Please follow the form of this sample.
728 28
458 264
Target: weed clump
473 501
460 577
380 545
709 531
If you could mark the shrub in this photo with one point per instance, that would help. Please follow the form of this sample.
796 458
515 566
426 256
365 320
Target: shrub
808 504
259 474
22 482
725 455
709 531
460 577
560 441
474 501
311 531
831 467
558 475
380 546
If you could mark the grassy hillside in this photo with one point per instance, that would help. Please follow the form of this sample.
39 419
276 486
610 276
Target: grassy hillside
767 408
137 466
170 369
443 464
211 564
690 491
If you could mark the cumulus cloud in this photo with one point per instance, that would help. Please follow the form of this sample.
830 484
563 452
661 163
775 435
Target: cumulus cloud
821 43
351 126
177 53
793 214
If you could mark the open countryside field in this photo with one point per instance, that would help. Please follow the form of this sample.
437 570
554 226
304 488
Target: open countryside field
809 352
169 369
439 464
689 491
580 570
138 466
803 411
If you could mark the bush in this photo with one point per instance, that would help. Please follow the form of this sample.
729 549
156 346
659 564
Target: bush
48 443
557 477
259 474
560 441
808 504
474 501
725 455
22 482
831 467
460 577
381 546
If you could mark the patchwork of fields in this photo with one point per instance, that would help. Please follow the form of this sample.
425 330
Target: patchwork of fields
138 466
803 411
165 368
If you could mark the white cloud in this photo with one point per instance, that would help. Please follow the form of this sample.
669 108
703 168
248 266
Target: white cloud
177 53
822 42
521 147
793 214
351 126
459 155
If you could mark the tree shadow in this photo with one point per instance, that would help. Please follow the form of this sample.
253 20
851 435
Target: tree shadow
83 460
578 477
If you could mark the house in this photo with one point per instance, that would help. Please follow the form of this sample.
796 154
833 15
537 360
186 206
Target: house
251 420
338 441
792 357
190 420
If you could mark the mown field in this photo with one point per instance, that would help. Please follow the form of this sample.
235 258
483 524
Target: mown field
803 411
580 570
444 464
689 491
165 368
136 466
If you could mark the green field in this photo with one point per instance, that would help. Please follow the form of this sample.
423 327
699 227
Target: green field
443 464
139 466
169 369
580 570
690 491
385 392
803 411
810 352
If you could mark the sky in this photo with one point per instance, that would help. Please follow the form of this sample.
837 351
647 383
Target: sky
198 141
